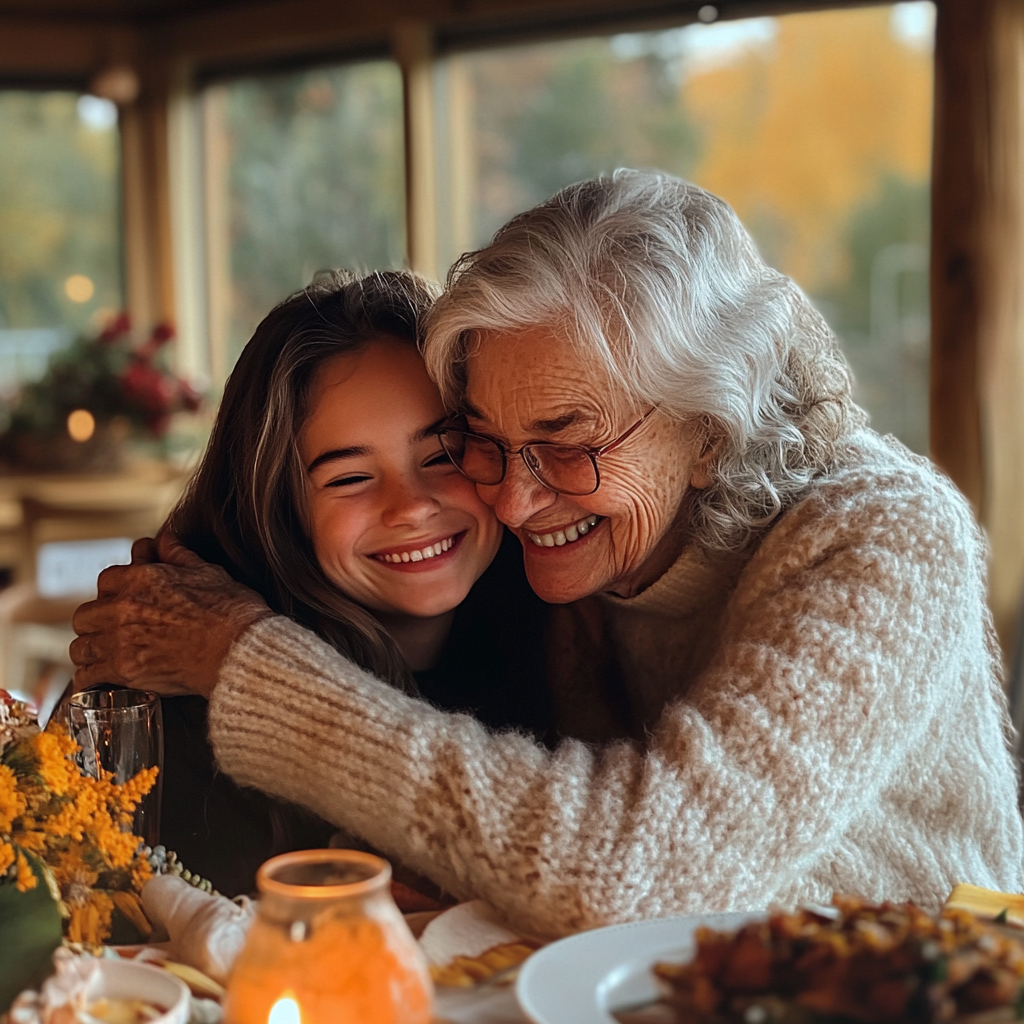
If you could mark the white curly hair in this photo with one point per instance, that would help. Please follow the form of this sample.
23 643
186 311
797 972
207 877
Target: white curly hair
658 280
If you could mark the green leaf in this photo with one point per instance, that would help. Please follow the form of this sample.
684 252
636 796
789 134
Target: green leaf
30 930
1000 918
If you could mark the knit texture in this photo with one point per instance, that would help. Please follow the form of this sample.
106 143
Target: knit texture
822 714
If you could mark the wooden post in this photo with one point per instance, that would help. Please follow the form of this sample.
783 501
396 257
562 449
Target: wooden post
977 394
192 349
217 230
412 43
148 254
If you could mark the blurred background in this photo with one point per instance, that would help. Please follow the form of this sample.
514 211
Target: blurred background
193 163
816 127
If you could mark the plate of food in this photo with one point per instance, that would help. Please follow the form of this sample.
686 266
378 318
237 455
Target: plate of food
853 962
591 977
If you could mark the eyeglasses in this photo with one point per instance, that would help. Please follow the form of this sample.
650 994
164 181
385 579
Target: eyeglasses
565 468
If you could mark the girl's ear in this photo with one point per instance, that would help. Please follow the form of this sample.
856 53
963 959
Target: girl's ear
709 443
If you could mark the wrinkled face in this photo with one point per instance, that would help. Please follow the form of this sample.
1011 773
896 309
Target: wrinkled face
393 523
532 386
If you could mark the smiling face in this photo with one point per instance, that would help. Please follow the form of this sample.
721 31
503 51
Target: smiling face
533 386
393 523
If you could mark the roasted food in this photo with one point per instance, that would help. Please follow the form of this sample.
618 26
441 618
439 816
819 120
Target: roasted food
864 963
466 971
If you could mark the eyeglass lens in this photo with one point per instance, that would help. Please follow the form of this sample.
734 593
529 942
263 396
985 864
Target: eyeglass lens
565 468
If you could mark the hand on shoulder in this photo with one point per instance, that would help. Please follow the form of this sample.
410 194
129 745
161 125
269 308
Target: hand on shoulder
164 623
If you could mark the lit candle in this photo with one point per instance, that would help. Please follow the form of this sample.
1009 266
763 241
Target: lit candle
285 1011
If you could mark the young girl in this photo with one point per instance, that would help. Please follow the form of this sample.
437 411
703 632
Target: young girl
325 488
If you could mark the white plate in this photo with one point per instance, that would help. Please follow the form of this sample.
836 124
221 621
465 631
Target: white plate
582 978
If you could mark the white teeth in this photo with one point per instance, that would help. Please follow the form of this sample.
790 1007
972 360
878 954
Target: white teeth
566 536
430 551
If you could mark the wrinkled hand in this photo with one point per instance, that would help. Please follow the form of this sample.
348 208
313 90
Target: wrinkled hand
164 623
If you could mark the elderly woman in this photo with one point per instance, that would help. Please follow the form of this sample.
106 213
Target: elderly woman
773 666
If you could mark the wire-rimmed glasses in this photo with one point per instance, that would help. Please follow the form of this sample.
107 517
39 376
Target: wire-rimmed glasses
564 468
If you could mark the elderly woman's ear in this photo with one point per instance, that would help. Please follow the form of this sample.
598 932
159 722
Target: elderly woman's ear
709 439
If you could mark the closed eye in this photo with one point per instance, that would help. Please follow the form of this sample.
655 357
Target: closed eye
348 481
442 458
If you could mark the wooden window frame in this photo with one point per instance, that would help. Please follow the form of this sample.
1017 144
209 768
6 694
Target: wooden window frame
977 365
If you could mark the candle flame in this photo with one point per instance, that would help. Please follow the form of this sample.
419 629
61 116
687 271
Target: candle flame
285 1011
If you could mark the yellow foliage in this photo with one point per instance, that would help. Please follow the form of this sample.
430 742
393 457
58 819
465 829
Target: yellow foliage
26 878
90 920
12 801
803 131
79 826
6 856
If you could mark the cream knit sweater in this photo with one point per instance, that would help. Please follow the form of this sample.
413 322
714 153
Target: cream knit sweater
822 715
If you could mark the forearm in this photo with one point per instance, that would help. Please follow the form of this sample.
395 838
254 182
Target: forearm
713 815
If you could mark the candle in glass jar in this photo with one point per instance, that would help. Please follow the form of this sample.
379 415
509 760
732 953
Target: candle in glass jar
328 946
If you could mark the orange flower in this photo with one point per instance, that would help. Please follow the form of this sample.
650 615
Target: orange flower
90 920
26 876
54 751
12 802
6 857
77 825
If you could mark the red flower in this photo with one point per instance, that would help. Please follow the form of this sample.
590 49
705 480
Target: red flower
117 328
162 334
151 390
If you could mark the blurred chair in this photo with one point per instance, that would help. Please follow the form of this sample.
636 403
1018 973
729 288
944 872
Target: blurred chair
70 529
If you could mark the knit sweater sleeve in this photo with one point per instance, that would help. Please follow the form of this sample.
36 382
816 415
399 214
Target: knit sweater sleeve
836 657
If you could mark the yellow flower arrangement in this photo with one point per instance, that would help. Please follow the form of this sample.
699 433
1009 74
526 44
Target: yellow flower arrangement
73 829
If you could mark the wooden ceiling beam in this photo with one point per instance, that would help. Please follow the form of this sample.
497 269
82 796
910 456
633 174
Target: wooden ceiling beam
38 51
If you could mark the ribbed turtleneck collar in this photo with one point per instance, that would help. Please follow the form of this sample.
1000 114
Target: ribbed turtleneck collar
696 579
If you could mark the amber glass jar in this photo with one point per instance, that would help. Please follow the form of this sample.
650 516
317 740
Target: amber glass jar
328 946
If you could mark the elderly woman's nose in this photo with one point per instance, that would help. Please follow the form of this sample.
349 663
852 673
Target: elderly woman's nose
519 496
408 504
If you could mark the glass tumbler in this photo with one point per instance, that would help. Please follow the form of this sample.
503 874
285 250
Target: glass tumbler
328 946
121 731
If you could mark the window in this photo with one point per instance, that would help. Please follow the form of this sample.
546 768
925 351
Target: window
815 127
60 248
304 172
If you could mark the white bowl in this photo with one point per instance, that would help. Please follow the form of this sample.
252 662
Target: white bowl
122 979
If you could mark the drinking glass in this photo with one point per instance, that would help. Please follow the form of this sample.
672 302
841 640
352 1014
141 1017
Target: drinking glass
328 946
121 731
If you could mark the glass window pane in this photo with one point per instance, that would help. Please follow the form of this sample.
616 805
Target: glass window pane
60 246
815 127
304 172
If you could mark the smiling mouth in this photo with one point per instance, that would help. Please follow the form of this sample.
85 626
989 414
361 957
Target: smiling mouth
420 554
568 535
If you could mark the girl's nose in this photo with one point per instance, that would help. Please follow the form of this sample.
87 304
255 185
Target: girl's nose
519 496
407 504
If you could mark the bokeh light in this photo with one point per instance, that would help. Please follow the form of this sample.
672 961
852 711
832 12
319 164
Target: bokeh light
79 288
81 425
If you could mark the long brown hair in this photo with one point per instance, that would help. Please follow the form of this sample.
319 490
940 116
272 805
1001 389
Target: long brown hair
245 508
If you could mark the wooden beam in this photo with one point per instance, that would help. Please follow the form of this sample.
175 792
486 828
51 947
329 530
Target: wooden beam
977 409
148 251
414 54
53 52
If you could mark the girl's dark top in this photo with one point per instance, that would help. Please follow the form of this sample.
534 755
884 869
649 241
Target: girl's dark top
492 666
